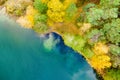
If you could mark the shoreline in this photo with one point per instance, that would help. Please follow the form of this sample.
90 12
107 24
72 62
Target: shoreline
14 18
80 33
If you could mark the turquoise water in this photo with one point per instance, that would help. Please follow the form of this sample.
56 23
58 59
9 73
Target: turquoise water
24 55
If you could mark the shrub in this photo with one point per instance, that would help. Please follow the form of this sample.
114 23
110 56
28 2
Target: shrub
40 6
103 13
112 31
115 50
93 36
40 27
87 52
101 16
67 3
40 18
115 61
112 74
75 41
71 11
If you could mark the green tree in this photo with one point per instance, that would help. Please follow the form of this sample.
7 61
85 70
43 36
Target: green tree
41 7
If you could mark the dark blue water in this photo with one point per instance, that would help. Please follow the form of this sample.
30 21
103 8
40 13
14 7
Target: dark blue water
24 55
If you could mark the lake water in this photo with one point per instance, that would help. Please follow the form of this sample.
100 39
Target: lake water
25 55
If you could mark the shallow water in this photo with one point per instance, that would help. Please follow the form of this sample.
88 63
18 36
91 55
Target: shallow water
24 55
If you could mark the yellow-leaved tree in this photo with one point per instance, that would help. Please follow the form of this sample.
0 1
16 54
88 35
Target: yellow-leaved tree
27 21
100 60
55 11
100 48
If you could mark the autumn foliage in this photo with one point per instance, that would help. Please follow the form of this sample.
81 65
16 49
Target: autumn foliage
91 27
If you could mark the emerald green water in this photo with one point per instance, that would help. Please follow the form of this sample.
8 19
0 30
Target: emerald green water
24 55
